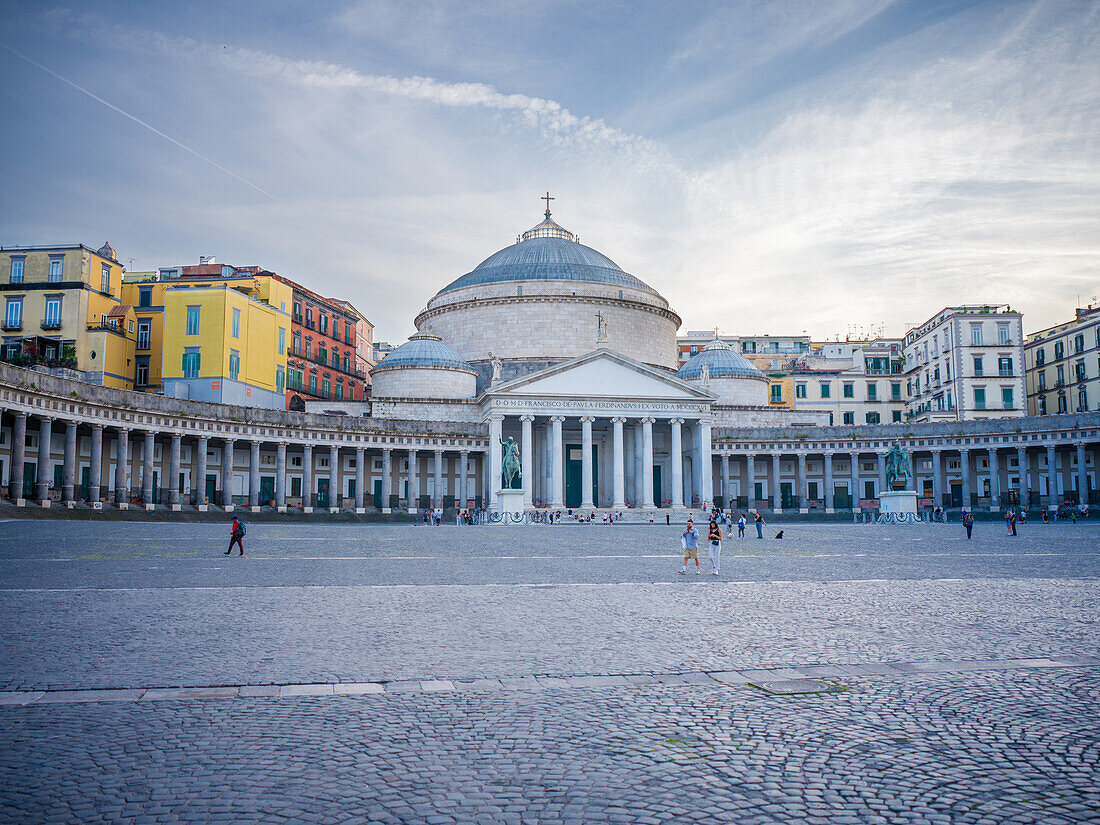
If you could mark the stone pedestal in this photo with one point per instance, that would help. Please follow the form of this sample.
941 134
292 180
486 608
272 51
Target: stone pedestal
897 501
510 501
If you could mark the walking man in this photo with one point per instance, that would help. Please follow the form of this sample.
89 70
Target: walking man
741 526
968 522
689 540
236 536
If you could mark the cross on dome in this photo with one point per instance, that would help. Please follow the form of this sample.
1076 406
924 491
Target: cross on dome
547 198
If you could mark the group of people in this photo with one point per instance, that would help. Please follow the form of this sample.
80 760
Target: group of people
689 539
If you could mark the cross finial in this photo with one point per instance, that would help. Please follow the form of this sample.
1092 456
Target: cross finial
547 198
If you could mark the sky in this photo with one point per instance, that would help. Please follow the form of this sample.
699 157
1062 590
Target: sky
769 166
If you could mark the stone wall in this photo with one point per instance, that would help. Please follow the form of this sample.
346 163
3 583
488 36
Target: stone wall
423 382
425 409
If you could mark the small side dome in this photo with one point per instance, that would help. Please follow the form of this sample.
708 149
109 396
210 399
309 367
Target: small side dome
721 361
423 350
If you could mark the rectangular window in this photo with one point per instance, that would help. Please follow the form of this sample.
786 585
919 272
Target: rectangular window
1042 379
1002 334
105 279
1079 343
978 365
141 375
145 296
1059 350
335 359
895 391
335 327
849 418
309 317
1042 405
800 391
53 313
143 334
849 390
777 393
825 389
297 312
191 362
234 364
13 316
347 333
976 335
1004 367
193 320
1006 397
313 384
236 322
339 390
325 387
17 270
282 340
322 319
979 398
130 326
1061 376
56 263
872 391
872 418
280 380
1040 357
896 416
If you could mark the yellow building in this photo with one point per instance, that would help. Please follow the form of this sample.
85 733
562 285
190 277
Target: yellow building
225 339
57 302
781 391
145 293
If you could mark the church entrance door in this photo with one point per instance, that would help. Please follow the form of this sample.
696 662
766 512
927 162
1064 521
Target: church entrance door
657 500
574 468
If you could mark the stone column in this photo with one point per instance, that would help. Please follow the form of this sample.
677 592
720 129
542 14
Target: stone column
647 463
174 473
1082 475
618 485
828 482
254 476
414 481
18 458
677 453
964 466
122 469
803 484
387 478
463 478
95 468
496 428
556 459
777 498
937 479
724 486
750 473
227 474
881 474
148 449
307 478
856 493
334 481
280 477
994 480
706 465
1025 481
526 455
68 473
44 475
639 473
438 498
630 486
360 479
1052 475
586 462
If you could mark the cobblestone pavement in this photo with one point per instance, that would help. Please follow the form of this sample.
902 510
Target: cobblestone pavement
148 606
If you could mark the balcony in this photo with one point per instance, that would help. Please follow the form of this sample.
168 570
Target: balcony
1005 374
51 323
314 359
13 326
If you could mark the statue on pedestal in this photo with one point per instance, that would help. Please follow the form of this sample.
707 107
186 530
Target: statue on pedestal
497 366
509 463
899 472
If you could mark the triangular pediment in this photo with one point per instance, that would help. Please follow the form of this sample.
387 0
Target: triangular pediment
601 374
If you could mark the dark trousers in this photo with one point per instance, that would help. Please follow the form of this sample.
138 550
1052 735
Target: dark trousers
1013 526
237 541
969 527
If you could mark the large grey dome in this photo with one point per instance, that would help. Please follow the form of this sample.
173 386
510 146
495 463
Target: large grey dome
423 350
547 253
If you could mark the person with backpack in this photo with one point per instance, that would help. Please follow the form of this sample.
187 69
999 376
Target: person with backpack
236 536
714 537
968 522
741 526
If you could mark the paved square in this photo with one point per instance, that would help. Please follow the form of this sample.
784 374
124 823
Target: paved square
547 674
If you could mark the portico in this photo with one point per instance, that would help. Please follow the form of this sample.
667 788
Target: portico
573 431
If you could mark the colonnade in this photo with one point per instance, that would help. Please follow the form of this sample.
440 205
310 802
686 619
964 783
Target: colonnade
307 474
